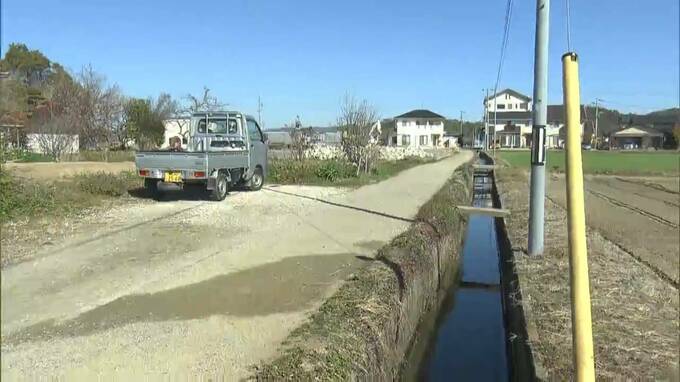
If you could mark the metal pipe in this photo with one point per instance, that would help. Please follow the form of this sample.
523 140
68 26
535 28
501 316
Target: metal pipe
581 324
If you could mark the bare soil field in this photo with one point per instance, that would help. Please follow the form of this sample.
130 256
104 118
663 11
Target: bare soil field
53 171
635 302
641 215
190 287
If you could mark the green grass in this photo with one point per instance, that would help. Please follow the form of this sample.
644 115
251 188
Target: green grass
102 156
25 199
334 172
26 157
605 162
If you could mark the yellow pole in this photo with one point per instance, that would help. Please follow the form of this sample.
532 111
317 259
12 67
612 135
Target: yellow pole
581 325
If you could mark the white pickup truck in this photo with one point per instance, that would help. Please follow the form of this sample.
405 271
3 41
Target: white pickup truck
223 149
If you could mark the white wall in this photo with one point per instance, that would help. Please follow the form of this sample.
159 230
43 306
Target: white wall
411 128
509 101
71 142
172 127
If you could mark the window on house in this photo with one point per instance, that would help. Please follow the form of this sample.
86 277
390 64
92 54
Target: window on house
501 106
524 105
405 140
510 106
420 123
507 96
423 140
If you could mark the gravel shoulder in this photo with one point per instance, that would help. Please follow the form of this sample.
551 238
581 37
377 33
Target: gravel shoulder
192 287
635 311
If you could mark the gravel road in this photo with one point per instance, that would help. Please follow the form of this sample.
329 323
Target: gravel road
184 287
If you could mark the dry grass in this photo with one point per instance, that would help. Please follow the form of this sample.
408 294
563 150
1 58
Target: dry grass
635 313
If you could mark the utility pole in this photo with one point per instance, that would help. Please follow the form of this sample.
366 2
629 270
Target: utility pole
539 116
461 128
597 115
486 120
259 111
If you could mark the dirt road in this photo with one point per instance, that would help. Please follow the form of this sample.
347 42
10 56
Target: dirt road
179 288
53 171
640 214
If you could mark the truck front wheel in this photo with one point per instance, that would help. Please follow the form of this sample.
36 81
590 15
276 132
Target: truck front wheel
221 188
257 179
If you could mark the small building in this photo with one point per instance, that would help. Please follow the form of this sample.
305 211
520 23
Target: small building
637 137
417 128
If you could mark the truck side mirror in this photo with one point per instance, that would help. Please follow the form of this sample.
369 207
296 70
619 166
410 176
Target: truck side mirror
265 138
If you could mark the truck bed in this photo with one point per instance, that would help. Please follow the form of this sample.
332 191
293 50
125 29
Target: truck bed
184 160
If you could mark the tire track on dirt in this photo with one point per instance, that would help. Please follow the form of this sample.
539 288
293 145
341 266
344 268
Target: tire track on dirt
654 186
123 229
640 211
661 274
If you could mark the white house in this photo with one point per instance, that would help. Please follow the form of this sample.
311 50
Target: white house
418 128
509 116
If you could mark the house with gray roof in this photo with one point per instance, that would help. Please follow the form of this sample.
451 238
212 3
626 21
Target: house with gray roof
417 128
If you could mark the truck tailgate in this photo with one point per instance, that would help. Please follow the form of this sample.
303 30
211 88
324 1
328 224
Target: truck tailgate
169 160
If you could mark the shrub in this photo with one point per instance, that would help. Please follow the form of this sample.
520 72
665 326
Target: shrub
17 198
334 170
103 183
102 156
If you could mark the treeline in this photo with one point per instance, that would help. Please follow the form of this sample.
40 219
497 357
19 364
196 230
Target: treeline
41 96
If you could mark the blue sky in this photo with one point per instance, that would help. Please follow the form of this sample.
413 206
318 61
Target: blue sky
303 56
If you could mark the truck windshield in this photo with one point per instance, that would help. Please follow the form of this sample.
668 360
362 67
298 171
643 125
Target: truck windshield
217 126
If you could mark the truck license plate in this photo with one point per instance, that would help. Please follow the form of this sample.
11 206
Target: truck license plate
173 177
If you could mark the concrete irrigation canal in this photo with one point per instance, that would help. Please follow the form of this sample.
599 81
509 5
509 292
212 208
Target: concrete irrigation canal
470 337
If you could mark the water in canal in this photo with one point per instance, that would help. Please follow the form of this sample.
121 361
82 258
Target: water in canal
469 339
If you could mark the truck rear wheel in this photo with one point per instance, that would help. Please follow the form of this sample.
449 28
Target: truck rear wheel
221 188
151 186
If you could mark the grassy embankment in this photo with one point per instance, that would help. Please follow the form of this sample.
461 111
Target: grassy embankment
605 162
335 172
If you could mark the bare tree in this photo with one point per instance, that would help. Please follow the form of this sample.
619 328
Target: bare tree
194 104
356 122
110 116
301 140
53 131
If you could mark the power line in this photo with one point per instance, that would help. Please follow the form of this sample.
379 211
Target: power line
504 46
568 25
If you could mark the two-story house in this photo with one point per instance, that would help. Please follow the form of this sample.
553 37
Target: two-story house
418 128
509 116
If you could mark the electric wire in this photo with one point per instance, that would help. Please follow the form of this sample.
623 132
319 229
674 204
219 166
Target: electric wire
504 46
568 10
